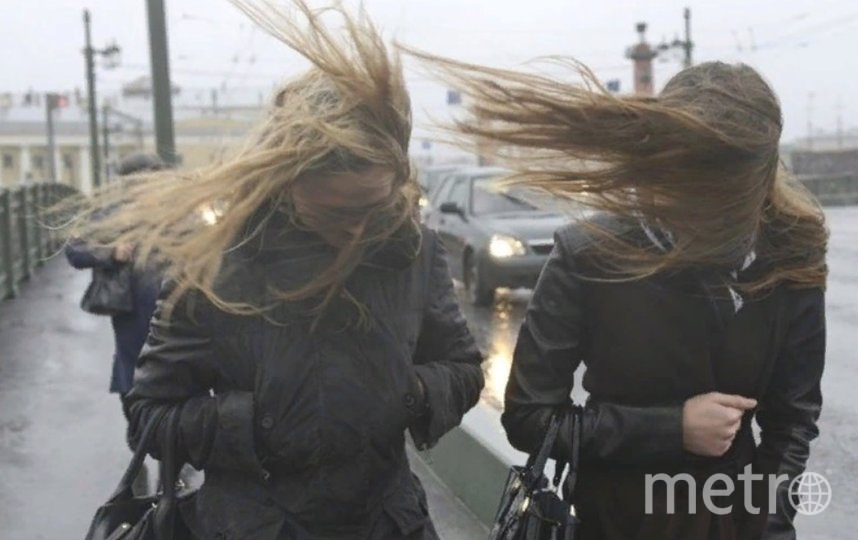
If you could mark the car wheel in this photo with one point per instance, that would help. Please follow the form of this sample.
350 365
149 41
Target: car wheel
476 291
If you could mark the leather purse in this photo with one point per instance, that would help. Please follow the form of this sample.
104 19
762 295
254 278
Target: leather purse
530 506
109 292
152 517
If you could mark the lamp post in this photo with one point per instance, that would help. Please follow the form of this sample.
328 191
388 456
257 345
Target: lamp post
111 55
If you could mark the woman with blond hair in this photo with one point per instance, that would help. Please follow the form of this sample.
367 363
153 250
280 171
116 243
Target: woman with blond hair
312 321
694 298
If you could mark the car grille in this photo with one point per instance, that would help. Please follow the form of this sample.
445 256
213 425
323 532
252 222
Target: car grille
542 247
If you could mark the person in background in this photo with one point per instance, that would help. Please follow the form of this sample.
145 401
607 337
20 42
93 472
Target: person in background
129 329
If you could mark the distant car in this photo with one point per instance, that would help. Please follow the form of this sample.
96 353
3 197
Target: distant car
494 238
430 178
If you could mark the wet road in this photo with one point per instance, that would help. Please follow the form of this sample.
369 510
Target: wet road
834 454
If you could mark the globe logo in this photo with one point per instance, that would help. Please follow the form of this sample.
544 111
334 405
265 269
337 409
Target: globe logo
810 493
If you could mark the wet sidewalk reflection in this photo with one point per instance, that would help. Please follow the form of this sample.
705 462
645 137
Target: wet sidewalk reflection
496 330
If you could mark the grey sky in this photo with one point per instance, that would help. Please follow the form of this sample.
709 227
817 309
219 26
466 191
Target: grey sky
802 46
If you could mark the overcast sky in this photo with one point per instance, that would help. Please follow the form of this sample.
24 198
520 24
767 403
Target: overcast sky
802 47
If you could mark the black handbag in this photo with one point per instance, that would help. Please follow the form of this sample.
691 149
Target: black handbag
530 508
109 292
152 517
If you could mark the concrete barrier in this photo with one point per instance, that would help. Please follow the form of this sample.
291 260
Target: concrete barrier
474 459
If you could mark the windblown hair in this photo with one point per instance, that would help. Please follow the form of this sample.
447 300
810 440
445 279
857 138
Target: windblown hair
348 113
700 161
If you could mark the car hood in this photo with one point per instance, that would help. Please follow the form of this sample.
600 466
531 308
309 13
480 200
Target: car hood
526 226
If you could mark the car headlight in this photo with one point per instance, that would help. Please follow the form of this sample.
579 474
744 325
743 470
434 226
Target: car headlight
502 246
423 202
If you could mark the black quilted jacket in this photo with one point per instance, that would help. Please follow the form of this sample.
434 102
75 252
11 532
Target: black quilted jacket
302 433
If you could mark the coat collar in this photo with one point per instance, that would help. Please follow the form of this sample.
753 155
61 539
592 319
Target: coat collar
663 240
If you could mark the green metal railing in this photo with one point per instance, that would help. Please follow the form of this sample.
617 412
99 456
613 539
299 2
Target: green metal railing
834 189
25 243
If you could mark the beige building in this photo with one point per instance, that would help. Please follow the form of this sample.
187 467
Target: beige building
208 139
207 127
24 153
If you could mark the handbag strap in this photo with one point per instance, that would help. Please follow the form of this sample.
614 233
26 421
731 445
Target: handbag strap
169 468
123 490
574 460
166 509
536 462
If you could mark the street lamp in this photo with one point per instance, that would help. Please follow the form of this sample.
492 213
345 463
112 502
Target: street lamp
685 45
111 55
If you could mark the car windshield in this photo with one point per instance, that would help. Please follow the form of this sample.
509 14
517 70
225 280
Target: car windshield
488 199
431 179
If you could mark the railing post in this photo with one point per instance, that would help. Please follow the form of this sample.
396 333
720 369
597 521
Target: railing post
37 201
11 280
56 194
49 200
24 234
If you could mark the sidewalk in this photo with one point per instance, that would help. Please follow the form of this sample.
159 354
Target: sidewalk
62 444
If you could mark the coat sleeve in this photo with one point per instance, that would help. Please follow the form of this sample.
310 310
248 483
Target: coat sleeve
550 348
791 406
81 256
447 360
177 366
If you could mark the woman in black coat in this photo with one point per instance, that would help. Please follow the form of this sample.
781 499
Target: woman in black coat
313 322
694 299
298 421
130 329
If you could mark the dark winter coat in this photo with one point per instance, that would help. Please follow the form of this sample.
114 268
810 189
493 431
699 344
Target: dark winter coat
302 433
129 329
648 346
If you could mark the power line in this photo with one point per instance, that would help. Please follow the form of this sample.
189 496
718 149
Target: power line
204 72
789 20
810 30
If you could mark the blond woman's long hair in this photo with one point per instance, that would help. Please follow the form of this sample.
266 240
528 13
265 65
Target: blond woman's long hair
700 161
348 113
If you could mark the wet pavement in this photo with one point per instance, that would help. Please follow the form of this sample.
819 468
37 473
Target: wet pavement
62 446
834 454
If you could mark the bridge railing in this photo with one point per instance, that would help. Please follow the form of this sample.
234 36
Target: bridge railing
833 189
25 241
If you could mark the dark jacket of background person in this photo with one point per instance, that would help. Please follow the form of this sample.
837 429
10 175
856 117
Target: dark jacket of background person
302 433
648 346
129 329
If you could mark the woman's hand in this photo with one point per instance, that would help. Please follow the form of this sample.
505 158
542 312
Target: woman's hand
710 422
123 252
